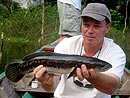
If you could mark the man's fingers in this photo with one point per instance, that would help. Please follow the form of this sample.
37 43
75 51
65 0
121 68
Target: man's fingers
84 70
92 73
37 69
79 74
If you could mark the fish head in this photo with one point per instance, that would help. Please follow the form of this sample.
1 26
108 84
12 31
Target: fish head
102 66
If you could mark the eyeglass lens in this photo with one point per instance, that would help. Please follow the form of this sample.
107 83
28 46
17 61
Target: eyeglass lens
80 84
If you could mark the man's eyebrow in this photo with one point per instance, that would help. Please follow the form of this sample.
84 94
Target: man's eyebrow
97 22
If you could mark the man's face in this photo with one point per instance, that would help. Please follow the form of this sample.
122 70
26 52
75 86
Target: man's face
94 31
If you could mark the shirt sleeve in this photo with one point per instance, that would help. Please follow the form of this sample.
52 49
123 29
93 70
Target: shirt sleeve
117 59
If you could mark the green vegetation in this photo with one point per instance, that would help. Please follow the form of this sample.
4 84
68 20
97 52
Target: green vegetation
26 24
22 28
123 40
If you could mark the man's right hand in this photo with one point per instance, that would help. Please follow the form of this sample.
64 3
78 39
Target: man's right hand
48 82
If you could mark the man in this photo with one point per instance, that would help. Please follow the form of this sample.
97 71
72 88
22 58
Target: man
96 21
69 15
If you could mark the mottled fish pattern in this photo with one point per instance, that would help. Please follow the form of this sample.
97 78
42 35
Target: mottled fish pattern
55 63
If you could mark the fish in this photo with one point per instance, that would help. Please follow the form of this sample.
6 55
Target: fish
55 63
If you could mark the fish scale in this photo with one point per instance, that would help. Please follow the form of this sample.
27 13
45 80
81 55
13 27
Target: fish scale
55 63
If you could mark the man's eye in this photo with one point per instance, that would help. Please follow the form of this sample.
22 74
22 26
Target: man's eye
97 26
86 25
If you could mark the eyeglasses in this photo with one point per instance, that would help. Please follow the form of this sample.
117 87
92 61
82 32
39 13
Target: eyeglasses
80 84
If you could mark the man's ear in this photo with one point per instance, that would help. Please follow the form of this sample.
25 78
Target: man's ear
108 27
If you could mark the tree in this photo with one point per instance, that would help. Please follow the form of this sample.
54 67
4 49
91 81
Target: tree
127 15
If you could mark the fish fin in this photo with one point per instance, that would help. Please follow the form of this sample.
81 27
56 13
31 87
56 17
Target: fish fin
72 72
12 73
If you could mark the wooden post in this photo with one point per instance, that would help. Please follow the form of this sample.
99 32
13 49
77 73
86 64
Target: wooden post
2 38
42 32
126 16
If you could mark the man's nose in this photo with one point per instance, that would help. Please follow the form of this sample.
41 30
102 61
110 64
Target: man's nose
91 29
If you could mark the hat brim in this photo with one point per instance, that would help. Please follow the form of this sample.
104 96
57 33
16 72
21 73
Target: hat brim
94 16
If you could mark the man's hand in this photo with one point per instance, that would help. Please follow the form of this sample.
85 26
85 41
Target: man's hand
105 82
48 82
83 72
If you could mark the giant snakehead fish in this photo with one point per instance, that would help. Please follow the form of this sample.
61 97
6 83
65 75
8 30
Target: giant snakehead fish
54 62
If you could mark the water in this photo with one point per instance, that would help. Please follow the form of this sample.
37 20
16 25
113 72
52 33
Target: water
14 51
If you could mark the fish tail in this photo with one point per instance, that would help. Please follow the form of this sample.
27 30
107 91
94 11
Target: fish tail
12 73
72 73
